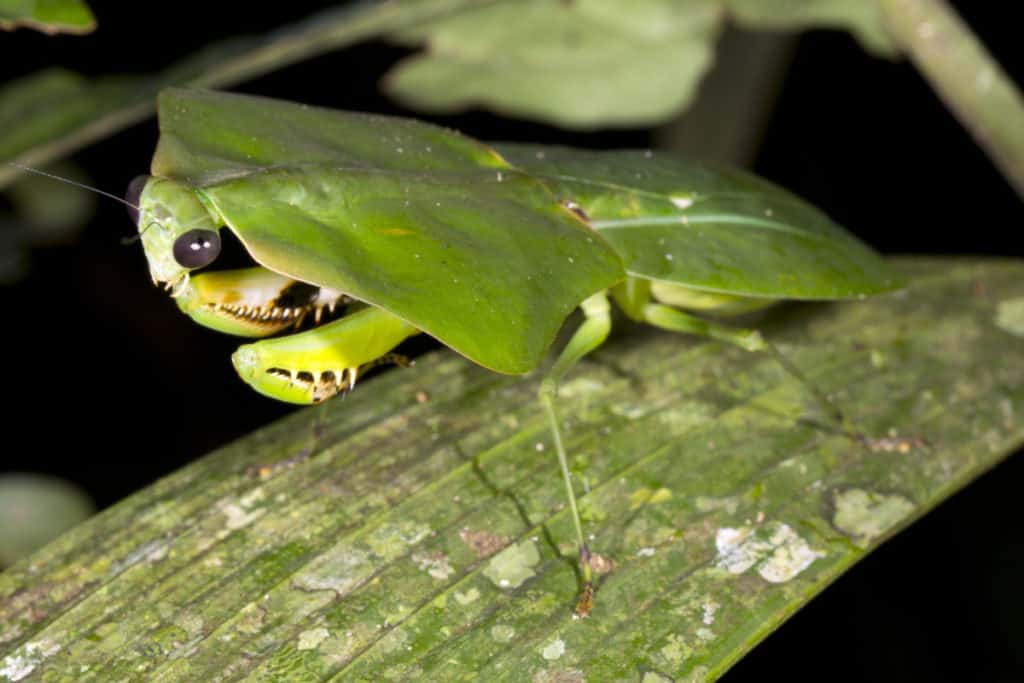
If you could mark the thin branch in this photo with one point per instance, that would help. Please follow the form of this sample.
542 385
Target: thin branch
966 76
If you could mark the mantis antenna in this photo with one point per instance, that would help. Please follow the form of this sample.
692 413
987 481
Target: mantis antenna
126 241
37 171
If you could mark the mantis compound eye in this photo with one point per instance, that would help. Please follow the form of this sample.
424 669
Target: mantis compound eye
197 248
133 194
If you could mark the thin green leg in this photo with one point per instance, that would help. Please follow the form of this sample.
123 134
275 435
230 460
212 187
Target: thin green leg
590 334
673 319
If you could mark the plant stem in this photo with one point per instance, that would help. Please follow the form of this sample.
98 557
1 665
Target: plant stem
966 76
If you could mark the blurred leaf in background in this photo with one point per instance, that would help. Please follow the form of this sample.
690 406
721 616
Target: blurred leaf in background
45 214
592 63
35 509
48 16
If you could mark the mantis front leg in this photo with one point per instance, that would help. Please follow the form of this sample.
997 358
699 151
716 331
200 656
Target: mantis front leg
315 365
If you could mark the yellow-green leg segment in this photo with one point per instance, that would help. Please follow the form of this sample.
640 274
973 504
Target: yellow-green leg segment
590 334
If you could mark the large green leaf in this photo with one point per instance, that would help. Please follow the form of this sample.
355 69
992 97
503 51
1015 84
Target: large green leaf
428 538
49 16
421 221
708 227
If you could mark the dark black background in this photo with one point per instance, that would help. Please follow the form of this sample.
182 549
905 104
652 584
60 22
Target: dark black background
100 359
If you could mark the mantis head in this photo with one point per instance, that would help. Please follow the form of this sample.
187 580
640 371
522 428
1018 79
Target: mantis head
178 227
179 231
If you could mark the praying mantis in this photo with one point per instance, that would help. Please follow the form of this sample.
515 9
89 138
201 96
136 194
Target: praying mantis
405 228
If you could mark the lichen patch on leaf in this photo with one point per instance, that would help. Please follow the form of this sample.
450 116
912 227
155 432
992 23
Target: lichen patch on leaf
25 659
484 543
502 633
778 552
553 650
435 564
311 639
865 515
237 517
1010 316
514 565
676 650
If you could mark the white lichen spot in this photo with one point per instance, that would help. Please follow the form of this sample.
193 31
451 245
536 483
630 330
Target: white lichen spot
705 634
340 573
503 633
311 639
514 565
472 595
25 659
791 556
539 446
735 554
777 551
434 564
669 257
676 650
709 607
391 539
1010 316
255 496
864 515
553 650
681 202
645 552
150 552
237 516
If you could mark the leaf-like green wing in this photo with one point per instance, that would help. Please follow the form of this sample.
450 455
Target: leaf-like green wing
421 221
709 227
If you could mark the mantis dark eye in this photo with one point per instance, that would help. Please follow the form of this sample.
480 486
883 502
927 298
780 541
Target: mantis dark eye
133 194
197 248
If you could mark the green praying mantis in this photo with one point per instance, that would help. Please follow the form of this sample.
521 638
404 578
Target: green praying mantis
412 228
